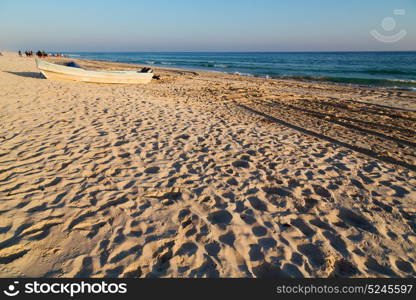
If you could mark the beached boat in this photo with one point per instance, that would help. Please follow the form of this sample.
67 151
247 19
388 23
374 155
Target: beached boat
61 72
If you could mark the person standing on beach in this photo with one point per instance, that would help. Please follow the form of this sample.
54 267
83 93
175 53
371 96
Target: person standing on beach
20 53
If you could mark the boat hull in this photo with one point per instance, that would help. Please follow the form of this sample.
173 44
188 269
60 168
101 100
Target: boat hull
58 72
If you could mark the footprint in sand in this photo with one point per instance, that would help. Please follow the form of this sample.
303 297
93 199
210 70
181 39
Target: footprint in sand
152 170
255 253
356 220
404 266
259 231
241 164
188 249
314 254
257 204
321 191
213 249
375 267
228 239
344 269
303 227
267 243
268 270
221 217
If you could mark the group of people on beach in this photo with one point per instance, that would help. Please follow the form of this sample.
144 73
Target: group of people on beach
27 53
40 54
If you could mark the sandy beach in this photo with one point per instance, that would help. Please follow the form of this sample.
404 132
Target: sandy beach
203 174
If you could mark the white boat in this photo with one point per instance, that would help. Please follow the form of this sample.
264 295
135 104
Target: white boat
61 72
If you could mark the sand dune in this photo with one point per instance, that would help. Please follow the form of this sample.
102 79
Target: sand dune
204 175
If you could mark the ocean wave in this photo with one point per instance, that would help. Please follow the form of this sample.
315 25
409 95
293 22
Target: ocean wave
194 64
406 80
389 72
359 81
223 66
207 65
243 74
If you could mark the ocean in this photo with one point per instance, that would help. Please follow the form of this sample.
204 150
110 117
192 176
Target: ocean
393 70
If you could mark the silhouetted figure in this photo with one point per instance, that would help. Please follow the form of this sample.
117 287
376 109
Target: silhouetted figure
20 53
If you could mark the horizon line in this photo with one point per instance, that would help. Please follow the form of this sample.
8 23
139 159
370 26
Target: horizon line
243 51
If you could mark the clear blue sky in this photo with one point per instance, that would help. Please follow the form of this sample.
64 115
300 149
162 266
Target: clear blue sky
202 25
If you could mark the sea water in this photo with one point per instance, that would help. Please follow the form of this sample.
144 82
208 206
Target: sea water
395 70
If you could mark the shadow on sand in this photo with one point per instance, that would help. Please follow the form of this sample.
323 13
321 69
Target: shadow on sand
331 140
27 74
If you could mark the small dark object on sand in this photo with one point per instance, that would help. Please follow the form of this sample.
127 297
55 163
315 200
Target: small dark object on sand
157 77
72 65
146 70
